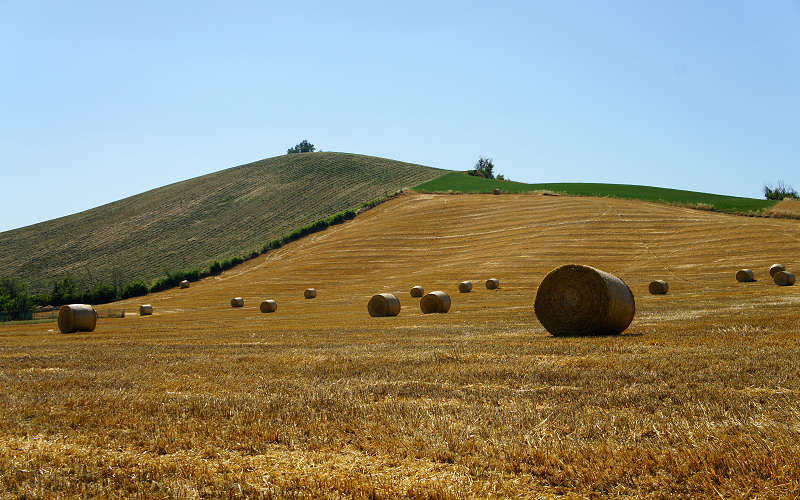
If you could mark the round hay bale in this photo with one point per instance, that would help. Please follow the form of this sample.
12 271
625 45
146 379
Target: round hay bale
310 293
184 284
581 300
465 287
237 302
783 278
745 275
77 318
492 284
417 291
145 310
268 306
774 268
659 287
383 304
496 191
435 302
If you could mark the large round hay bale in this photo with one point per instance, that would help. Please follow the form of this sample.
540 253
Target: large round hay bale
77 318
659 287
145 310
184 284
383 304
582 300
237 302
492 284
465 287
417 291
784 278
745 275
774 268
268 306
435 302
310 293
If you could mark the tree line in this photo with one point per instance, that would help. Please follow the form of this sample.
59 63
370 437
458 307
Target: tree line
17 304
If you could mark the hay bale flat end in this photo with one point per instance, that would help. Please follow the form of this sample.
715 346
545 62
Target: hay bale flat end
658 287
577 300
383 304
435 302
783 278
268 306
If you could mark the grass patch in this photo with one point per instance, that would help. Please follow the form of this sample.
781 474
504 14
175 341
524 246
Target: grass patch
463 183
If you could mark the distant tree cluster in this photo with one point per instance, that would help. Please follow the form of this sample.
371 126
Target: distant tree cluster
779 192
303 147
484 168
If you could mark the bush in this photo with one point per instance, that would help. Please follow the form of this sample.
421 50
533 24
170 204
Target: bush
136 289
100 294
779 192
15 304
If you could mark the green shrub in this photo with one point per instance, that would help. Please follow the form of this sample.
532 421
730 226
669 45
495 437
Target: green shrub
779 192
100 294
136 289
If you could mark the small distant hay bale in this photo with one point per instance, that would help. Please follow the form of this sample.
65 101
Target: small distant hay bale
237 302
745 275
581 300
465 287
184 284
417 291
492 284
435 302
496 191
310 293
145 310
783 278
77 318
659 287
268 306
775 268
383 304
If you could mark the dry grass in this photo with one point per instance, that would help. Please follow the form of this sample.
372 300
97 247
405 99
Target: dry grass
700 397
788 208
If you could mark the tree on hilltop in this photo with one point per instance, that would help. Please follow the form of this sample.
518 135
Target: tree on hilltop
484 168
303 147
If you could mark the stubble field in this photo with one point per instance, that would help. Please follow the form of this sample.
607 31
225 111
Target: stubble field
699 397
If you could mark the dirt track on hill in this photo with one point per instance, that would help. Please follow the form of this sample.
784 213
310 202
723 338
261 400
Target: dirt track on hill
699 397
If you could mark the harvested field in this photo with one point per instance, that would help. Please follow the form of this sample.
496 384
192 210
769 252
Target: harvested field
786 208
699 397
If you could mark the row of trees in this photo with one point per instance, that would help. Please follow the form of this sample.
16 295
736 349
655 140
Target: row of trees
17 304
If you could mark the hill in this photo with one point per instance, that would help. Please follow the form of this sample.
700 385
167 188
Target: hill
190 224
698 398
462 183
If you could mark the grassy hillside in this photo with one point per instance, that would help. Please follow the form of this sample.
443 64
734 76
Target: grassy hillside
192 223
461 182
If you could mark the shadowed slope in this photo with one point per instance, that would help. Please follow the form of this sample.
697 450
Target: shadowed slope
191 223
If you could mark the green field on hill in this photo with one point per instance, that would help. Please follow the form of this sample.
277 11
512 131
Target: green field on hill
460 182
190 224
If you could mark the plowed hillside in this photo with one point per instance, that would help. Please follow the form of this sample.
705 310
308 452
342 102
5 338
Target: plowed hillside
189 224
699 397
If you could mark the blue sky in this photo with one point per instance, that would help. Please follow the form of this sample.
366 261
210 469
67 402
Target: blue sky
103 100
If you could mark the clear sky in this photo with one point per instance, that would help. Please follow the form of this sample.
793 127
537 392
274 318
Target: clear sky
103 100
